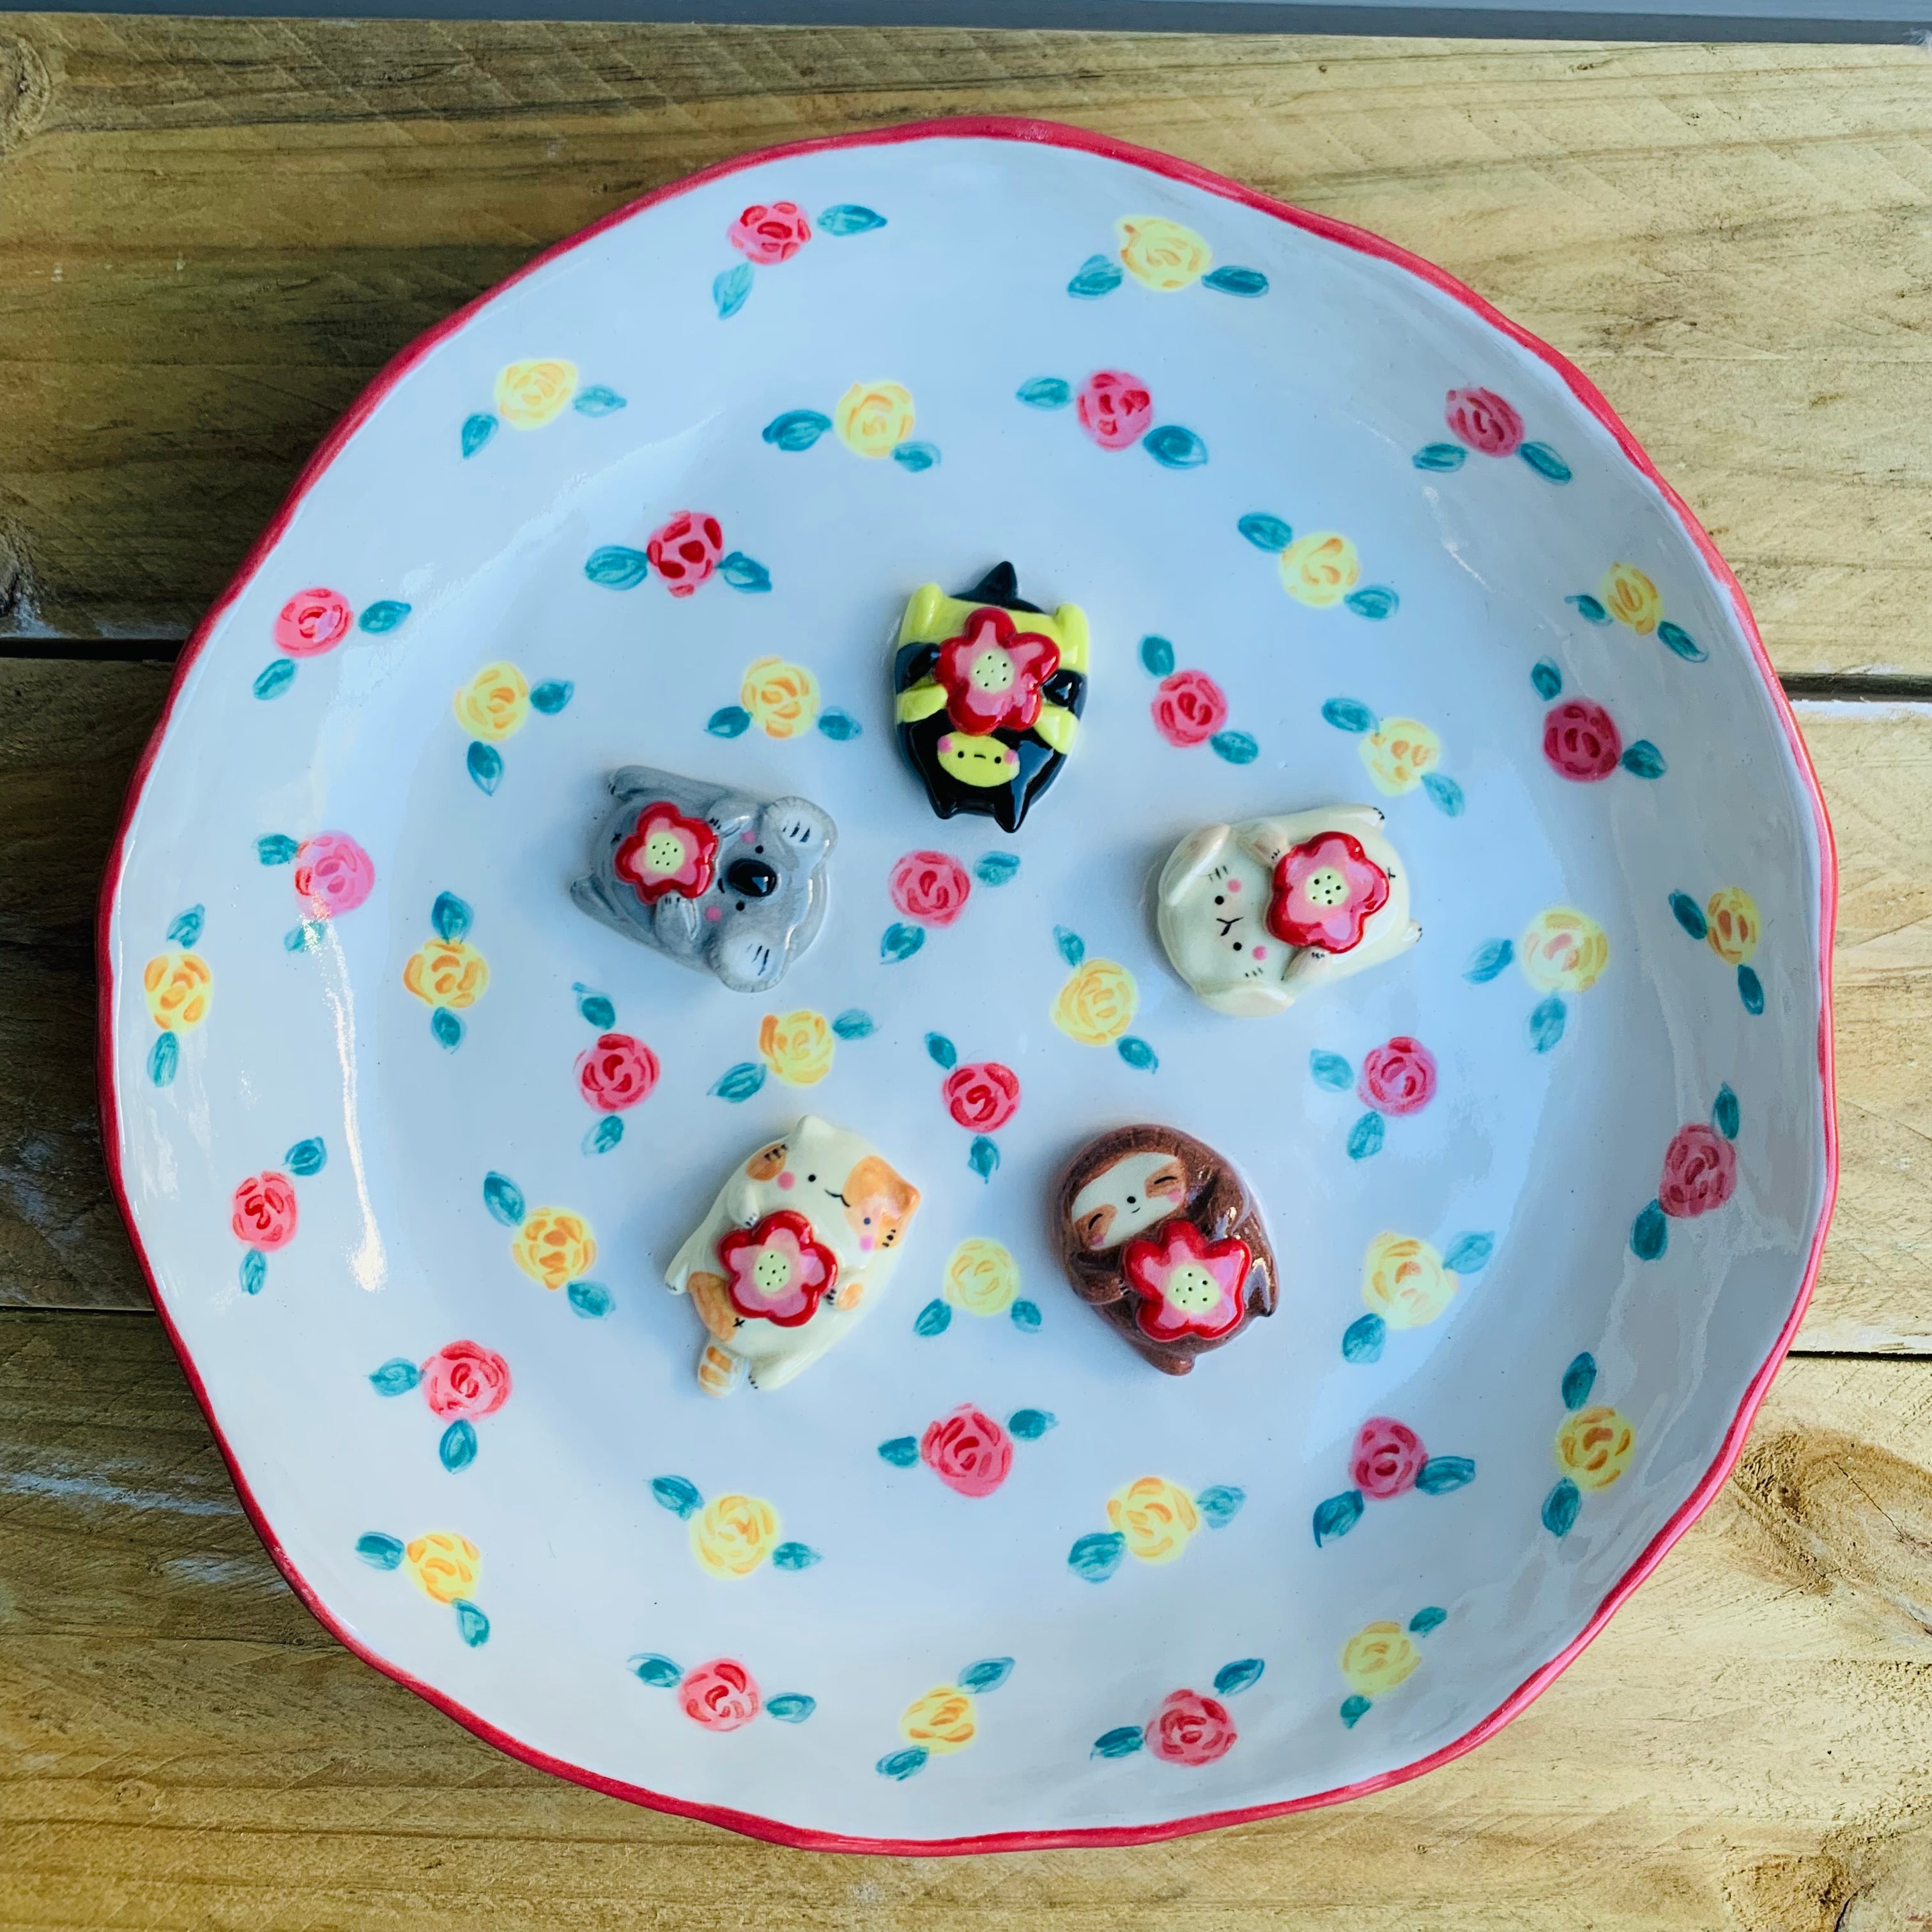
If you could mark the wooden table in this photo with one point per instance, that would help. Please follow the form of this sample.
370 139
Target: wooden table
211 236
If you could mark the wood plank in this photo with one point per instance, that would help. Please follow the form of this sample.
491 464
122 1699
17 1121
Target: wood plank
212 233
1749 1744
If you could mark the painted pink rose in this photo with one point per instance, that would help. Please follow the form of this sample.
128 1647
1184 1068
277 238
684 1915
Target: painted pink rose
465 1379
1700 1172
264 1211
1388 1457
685 551
720 1695
333 874
1398 1077
1325 891
930 886
1580 738
312 621
1190 1729
1186 1284
1481 419
968 1451
1189 708
768 232
1116 409
615 1073
778 1271
983 1096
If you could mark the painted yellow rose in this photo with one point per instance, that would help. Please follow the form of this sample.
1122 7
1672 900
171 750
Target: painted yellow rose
1732 925
941 1720
1398 751
1097 1003
445 1566
1632 598
781 697
1162 253
873 419
1378 1658
797 1047
179 987
494 703
732 1535
529 394
1593 1447
1404 1281
982 1277
1320 569
554 1247
1563 951
1155 1516
446 973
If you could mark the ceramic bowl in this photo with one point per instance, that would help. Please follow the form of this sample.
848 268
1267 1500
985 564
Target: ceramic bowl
1546 1192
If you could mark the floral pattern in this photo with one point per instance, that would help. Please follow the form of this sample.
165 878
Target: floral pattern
263 1213
982 1279
992 672
1325 892
944 1719
1593 1447
446 973
1381 1657
1629 596
721 1695
667 853
1386 1460
533 394
685 551
1700 1174
1729 924
495 704
768 233
1397 1078
1097 1003
1562 951
1189 1728
312 623
1487 425
178 987
1116 409
461 1383
778 1271
1319 569
970 1452
1581 741
1163 255
1407 1282
871 419
796 1047
1187 1284
1152 1520
444 1566
732 1535
931 888
333 875
981 1096
1189 708
1399 753
553 1245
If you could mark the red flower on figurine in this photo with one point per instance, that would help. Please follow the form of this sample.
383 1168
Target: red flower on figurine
930 886
1115 409
770 232
1189 708
667 853
992 672
968 1451
685 550
465 1380
1700 1172
777 1271
1387 1459
1481 419
615 1073
1187 1284
264 1211
983 1096
1325 892
1580 739
1190 1729
720 1695
312 621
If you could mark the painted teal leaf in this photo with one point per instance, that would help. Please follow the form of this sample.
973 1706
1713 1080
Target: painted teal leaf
1650 1233
1098 275
1488 960
1690 914
1136 1052
617 567
1220 1503
1440 456
1237 1676
740 1082
996 869
901 1764
935 1318
850 218
552 695
486 765
1121 1742
915 456
729 290
598 401
1349 714
1045 392
677 1494
854 1023
1237 747
1424 1620
271 680
1547 679
397 1376
1365 1137
477 431
1095 1558
589 1299
657 1670
1469 1254
457 1448
1330 1070
604 1136
472 1625
988 1674
446 1029
1590 607
1072 947
1374 601
1680 640
164 1060
1560 1507
1264 531
504 1199
275 848
1751 990
384 614
728 720
796 430
1173 448
1025 1316
1233 281
378 1551
795 1556
1545 462
1642 760
596 1007
1362 1340
1353 1710
1547 1019
841 726
1444 793
902 1451
452 916
1579 1379
943 1052
306 1157
901 941
1724 1113
744 573
1157 656
1337 1516
791 1707
983 1156
1440 1473
306 937
1030 1424
254 1271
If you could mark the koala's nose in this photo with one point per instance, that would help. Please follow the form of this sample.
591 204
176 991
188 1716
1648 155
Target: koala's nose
750 878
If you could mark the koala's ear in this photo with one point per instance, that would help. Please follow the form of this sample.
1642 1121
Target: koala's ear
806 827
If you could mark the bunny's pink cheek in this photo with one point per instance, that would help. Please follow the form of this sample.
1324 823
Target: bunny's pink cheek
1258 952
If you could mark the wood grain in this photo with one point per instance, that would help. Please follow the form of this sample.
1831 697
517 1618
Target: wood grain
213 231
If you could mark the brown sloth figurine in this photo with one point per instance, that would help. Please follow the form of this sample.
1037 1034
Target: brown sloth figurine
1161 1236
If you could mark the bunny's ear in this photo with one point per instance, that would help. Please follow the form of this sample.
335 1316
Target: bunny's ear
1196 854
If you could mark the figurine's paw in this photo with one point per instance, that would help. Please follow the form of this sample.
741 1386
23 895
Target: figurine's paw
717 1373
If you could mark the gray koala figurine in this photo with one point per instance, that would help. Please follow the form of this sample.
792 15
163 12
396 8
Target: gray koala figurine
713 877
